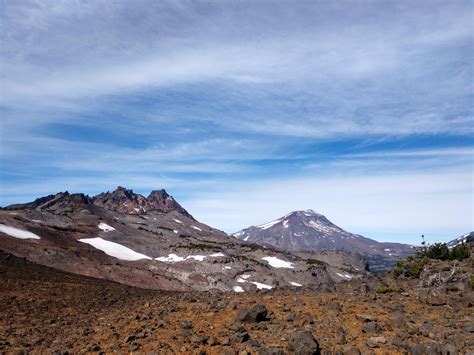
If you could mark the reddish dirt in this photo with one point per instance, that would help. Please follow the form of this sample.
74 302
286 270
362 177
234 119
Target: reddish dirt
46 310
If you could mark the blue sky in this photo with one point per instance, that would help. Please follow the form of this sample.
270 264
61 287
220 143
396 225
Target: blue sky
361 110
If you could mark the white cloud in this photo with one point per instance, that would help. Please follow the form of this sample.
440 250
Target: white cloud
408 202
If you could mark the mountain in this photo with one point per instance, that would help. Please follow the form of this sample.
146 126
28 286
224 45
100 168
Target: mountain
466 238
311 231
126 201
155 243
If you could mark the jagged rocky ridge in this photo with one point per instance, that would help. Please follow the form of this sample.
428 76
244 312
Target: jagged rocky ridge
311 231
155 243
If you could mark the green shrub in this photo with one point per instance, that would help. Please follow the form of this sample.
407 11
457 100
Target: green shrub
460 252
415 268
386 289
397 272
438 251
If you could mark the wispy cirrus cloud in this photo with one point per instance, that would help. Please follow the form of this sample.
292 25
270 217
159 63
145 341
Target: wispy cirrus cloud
207 94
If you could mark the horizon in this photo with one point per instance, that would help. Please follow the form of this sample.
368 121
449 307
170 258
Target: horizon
246 111
429 239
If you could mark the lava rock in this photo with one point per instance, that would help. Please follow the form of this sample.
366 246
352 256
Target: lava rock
303 343
186 324
257 313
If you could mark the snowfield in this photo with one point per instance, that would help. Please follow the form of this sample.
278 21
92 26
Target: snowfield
295 284
177 221
17 233
261 286
238 289
197 228
173 258
278 263
346 276
269 224
116 250
105 227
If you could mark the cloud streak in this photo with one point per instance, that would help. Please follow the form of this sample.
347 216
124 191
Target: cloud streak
210 94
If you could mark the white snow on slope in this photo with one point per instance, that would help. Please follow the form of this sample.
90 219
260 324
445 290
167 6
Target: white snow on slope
261 286
246 238
199 229
175 231
240 280
173 258
295 284
269 224
216 255
285 224
227 267
346 276
116 250
321 227
17 233
177 221
105 227
278 263
238 289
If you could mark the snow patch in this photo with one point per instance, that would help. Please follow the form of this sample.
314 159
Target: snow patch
173 258
17 233
246 238
227 268
114 249
261 286
278 263
238 289
105 227
269 224
345 276
285 223
199 229
216 255
175 231
177 221
295 284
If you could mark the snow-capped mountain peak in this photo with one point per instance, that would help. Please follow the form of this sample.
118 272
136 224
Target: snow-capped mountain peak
308 230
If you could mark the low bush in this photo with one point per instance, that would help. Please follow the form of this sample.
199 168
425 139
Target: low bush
386 289
441 251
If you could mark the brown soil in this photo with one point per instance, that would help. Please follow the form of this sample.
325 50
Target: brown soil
46 310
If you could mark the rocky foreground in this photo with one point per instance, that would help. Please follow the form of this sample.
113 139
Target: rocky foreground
46 310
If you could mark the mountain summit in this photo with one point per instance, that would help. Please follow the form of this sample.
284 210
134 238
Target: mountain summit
311 231
124 200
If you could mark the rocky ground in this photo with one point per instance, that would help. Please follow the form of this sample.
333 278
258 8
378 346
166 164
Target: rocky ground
46 310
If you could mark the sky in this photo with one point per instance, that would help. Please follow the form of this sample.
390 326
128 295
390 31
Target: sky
247 110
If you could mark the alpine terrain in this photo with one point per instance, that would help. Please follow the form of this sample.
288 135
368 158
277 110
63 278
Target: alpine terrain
153 242
466 238
311 231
